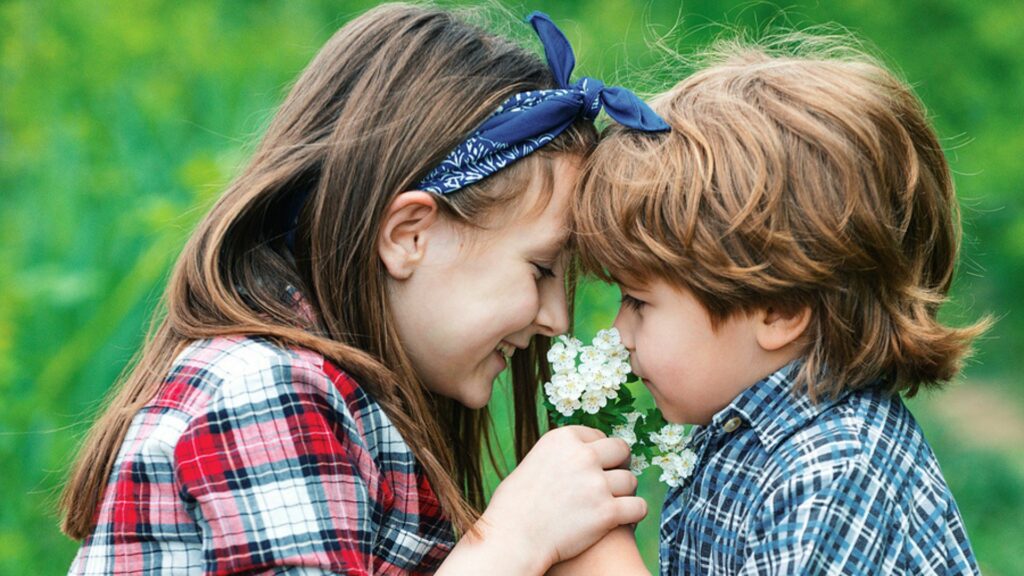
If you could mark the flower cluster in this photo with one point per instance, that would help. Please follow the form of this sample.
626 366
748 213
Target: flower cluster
588 387
603 369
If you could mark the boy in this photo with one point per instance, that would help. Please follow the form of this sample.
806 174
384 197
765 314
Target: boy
782 254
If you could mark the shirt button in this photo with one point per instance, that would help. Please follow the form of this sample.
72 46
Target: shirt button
732 424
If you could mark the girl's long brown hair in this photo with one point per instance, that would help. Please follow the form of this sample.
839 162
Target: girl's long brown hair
387 97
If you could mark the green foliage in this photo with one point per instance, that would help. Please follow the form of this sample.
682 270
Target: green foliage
121 122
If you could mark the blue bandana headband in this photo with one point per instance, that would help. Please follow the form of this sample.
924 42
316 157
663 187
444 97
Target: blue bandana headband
528 120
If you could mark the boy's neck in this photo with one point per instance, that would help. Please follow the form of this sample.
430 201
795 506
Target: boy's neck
763 367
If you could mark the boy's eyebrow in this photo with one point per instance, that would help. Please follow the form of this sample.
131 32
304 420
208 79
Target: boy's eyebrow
631 285
619 281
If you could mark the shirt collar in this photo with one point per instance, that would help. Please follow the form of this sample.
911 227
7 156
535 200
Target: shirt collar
772 408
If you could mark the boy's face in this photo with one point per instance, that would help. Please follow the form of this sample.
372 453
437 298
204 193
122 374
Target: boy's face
691 369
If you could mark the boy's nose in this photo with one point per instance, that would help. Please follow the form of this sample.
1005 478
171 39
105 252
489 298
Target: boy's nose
625 333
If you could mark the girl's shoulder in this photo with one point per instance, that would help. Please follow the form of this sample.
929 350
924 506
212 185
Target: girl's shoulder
252 377
238 365
248 433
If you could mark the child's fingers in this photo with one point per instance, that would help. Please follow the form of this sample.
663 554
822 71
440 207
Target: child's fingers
629 509
611 452
585 433
621 482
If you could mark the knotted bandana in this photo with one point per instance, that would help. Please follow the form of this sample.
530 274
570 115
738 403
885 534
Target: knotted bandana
528 120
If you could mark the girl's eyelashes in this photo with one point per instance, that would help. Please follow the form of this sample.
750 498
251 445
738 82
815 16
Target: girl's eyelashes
544 271
633 304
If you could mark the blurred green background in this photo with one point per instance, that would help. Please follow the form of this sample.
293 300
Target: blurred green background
120 122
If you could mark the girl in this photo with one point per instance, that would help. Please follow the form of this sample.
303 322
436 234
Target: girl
313 397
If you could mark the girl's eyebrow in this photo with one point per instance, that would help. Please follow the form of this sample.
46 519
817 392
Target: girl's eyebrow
553 249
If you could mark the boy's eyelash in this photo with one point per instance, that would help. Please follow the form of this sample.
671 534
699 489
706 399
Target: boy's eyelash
544 272
633 303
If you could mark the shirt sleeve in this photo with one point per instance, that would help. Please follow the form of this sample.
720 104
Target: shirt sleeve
833 520
276 475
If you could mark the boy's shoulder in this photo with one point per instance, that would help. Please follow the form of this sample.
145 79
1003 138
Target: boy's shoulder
868 431
853 427
867 434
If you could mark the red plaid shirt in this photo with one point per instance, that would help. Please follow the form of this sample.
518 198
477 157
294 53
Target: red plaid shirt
258 459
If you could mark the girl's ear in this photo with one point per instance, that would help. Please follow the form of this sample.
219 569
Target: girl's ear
778 327
403 238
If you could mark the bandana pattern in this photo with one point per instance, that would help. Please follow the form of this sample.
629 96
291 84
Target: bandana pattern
527 121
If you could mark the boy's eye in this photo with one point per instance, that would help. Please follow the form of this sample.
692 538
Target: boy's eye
634 304
544 271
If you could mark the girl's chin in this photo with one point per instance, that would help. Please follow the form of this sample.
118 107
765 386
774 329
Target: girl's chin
476 396
475 392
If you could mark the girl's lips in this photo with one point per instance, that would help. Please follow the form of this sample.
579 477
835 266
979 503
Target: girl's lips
506 349
504 362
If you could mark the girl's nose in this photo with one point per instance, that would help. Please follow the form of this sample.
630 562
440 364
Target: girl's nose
553 315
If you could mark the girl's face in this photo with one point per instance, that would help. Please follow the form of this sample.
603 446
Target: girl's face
461 298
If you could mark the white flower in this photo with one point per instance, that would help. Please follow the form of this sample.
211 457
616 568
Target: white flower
632 418
566 406
607 340
675 467
588 370
560 354
574 385
593 402
609 388
572 344
670 477
620 354
607 381
564 367
553 389
626 433
687 460
620 368
591 355
670 438
638 463
669 473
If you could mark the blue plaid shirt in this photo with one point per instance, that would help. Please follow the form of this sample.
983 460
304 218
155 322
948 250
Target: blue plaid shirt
784 486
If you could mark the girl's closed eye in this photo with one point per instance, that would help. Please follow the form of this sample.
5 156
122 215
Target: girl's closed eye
633 303
545 271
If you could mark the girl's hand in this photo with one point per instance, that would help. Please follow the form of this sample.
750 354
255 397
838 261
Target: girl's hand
565 495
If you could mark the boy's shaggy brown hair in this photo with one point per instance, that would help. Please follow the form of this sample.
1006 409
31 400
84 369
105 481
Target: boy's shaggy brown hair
791 180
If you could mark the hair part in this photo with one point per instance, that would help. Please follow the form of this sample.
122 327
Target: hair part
798 172
383 102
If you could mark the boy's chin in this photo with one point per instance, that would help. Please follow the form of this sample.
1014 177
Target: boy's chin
676 415
671 414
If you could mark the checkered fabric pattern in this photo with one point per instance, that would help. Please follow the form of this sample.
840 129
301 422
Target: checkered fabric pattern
261 460
783 486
